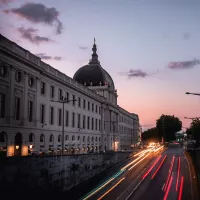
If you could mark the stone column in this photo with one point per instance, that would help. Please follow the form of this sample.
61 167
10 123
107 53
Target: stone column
11 96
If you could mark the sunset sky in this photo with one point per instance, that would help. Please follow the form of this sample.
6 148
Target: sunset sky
136 41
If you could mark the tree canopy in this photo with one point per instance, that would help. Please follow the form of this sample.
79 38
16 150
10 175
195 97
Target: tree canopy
167 126
194 129
151 135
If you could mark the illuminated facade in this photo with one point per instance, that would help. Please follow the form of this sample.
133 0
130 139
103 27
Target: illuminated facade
32 120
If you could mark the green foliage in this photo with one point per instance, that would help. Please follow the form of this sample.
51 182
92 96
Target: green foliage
167 126
151 135
194 129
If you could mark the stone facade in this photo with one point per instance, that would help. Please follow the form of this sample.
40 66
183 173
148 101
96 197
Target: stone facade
61 172
32 120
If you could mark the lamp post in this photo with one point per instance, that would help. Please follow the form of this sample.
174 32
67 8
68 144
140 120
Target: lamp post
65 100
193 93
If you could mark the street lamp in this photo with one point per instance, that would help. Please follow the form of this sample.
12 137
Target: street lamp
193 93
65 100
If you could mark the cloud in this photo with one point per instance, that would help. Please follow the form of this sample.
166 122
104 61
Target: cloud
137 73
38 13
186 36
5 2
43 56
83 47
183 64
30 35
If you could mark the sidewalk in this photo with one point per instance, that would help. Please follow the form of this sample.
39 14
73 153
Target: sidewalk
193 175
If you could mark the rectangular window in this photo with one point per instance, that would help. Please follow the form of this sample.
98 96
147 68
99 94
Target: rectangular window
42 88
73 100
96 125
67 96
88 123
60 96
79 102
66 118
17 108
92 123
99 110
79 120
52 91
73 119
99 125
2 105
88 105
51 115
59 117
92 107
42 114
84 103
83 122
96 109
30 111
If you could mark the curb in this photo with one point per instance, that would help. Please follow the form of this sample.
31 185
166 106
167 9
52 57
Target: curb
194 181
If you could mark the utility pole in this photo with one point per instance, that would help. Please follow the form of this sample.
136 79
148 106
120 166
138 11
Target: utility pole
163 126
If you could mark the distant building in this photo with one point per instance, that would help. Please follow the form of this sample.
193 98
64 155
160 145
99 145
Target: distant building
31 120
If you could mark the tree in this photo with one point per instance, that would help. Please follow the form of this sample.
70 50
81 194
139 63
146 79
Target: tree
151 135
167 126
194 129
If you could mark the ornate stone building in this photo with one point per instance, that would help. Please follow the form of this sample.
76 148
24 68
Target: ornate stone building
33 95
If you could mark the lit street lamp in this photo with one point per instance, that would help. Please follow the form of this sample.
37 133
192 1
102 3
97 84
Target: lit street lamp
65 100
193 93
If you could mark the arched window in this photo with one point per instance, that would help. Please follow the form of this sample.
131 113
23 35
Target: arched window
88 139
92 139
41 138
31 137
66 137
59 138
99 139
51 138
83 138
78 137
3 137
96 139
73 138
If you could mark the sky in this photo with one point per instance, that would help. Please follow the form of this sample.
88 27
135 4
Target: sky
151 48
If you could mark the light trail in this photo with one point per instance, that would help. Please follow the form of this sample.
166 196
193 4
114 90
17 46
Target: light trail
101 186
142 152
169 173
158 149
111 188
159 167
146 174
177 180
168 188
139 161
125 167
181 189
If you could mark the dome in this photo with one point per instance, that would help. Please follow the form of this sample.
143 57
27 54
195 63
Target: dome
93 74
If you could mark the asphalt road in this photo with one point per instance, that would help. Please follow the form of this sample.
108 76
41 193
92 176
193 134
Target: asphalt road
162 175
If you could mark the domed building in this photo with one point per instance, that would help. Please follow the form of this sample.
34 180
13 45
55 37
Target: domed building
43 110
97 78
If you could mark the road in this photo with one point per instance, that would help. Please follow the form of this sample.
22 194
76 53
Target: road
150 175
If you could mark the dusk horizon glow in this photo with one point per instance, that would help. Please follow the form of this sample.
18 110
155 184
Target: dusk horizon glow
150 48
